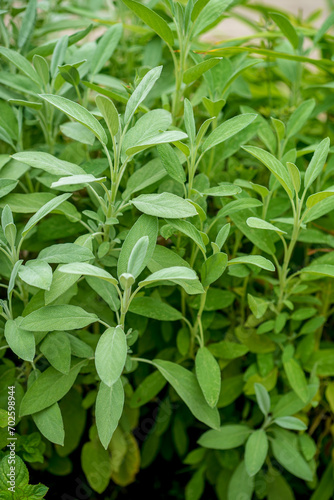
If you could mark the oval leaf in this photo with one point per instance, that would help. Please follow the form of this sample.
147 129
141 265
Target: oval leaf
110 355
208 375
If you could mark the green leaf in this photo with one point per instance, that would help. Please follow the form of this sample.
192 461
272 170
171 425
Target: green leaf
147 390
228 350
316 198
56 348
320 269
109 113
321 207
57 317
28 23
50 387
6 186
160 138
255 260
13 277
294 175
228 129
171 162
85 269
48 48
149 174
274 165
195 72
208 375
209 14
256 451
78 113
163 257
240 485
74 416
189 230
205 125
108 410
3 418
110 355
278 488
21 474
105 47
61 283
259 238
325 488
148 126
287 455
320 33
70 74
138 256
197 9
216 299
289 404
195 487
222 235
164 205
142 90
42 67
231 389
58 54
291 423
105 290
239 205
189 120
299 117
65 253
227 437
43 211
296 378
317 163
263 398
222 190
5 137
79 348
36 273
171 274
98 477
262 224
185 384
322 362
144 226
21 63
152 19
48 163
6 217
213 268
50 423
19 83
79 133
257 305
21 342
286 28
154 308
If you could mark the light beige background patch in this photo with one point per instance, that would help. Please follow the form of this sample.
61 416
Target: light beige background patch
232 27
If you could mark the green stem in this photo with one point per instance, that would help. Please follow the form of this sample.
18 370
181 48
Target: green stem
142 360
288 250
198 324
212 152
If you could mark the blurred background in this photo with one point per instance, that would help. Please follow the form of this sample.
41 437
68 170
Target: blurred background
232 27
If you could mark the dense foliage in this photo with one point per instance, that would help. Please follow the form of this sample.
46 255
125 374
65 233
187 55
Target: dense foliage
166 251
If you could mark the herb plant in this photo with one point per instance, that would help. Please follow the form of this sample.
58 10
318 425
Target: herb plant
166 251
